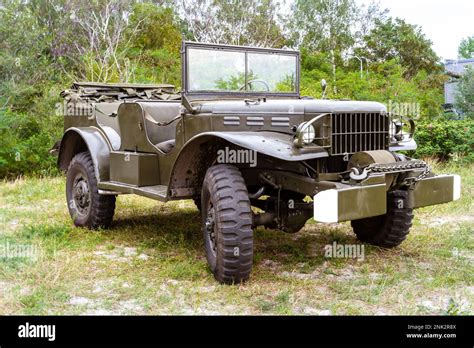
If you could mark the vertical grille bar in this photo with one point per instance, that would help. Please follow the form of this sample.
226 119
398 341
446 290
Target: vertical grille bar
350 118
371 135
377 127
345 130
365 129
341 126
354 132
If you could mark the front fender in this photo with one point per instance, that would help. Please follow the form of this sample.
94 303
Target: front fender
194 159
272 144
76 140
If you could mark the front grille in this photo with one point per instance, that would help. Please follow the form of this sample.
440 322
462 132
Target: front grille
354 132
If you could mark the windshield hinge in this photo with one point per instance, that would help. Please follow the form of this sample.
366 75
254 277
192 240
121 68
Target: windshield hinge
187 104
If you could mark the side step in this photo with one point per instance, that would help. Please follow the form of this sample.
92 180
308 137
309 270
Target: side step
158 192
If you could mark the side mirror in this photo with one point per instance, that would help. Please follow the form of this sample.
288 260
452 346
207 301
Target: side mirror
323 86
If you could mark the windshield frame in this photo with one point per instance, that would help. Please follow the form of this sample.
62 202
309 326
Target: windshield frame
208 94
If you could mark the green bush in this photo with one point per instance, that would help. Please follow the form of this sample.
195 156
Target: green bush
445 139
25 141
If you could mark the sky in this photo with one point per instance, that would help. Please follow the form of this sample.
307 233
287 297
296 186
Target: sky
445 23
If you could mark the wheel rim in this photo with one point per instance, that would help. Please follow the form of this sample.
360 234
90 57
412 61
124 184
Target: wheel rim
81 194
210 226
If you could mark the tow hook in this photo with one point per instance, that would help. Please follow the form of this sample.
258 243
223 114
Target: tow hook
357 174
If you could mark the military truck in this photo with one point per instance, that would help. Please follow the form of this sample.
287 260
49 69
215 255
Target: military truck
241 141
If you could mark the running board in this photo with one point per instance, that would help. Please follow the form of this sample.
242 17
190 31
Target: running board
158 192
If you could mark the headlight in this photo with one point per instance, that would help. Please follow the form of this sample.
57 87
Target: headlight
305 133
395 131
309 133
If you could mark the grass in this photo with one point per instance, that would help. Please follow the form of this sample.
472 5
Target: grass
152 261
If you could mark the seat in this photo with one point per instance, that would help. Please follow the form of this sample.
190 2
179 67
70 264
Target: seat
166 146
162 135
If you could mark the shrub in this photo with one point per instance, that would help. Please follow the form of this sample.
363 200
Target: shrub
446 139
25 142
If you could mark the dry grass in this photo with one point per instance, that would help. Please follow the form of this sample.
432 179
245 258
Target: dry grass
152 262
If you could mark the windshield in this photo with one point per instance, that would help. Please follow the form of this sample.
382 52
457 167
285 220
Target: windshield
241 71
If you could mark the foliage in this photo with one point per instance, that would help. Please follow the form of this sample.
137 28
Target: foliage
396 39
24 144
465 93
103 25
325 26
155 45
46 45
446 139
466 48
250 22
385 83
32 72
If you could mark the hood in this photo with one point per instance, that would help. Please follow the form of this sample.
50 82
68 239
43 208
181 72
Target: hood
289 106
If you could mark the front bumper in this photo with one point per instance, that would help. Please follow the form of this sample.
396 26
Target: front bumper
336 205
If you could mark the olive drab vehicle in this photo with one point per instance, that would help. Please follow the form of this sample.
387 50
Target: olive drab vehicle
241 142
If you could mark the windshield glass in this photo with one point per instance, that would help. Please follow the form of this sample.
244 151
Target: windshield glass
218 70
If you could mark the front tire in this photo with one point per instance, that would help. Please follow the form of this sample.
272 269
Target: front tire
227 224
86 206
389 230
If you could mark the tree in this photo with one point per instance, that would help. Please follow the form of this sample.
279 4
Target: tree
466 48
155 45
251 22
324 26
465 92
157 27
367 17
396 39
28 53
104 24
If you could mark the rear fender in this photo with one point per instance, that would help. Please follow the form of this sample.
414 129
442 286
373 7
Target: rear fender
91 139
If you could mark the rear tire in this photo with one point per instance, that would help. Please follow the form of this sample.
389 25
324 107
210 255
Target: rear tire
227 224
86 206
389 230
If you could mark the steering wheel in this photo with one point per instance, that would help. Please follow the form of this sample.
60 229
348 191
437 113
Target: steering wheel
263 82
